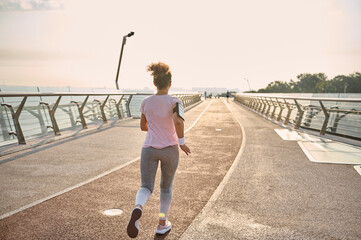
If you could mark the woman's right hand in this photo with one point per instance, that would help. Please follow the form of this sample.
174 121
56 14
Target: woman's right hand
185 149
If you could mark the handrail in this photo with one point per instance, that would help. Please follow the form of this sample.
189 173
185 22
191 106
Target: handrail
331 115
304 98
53 94
95 109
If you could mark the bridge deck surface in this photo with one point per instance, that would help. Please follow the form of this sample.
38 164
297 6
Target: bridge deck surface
238 183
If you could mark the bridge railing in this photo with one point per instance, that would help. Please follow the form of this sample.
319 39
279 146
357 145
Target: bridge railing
25 115
339 116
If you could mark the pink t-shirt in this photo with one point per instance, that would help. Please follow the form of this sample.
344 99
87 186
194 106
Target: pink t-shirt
158 109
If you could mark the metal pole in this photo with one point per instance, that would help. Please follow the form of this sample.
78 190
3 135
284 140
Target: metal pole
249 86
325 122
121 55
120 61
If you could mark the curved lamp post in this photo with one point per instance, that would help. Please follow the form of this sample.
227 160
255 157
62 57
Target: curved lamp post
248 84
121 54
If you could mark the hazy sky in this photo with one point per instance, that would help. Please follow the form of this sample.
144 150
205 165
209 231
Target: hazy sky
206 43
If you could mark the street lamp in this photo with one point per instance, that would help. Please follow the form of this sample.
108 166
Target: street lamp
121 54
248 84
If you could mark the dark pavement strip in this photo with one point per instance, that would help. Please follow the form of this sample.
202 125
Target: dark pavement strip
78 214
275 192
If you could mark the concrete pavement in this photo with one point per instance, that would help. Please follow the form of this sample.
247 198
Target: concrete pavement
275 192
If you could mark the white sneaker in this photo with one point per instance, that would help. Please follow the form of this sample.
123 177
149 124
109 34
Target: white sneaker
163 229
133 225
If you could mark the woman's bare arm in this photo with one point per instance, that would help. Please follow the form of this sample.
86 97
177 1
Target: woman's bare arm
179 125
143 123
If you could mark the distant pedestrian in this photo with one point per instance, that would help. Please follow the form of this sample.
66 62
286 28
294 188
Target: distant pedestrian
162 118
227 95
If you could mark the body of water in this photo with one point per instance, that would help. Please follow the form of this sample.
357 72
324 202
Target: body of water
35 119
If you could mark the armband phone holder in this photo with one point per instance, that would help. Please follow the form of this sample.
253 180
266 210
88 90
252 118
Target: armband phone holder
179 110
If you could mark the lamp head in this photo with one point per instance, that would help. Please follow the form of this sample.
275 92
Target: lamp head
130 34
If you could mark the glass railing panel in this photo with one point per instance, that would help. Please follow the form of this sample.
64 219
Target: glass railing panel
344 116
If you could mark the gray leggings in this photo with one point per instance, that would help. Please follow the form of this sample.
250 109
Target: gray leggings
169 158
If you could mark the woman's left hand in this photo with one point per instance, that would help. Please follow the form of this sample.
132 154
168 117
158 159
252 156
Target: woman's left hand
185 149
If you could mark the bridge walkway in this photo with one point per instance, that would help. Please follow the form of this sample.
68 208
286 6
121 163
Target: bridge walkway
242 181
79 213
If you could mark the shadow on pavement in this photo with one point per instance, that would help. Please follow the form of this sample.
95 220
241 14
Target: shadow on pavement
44 145
161 236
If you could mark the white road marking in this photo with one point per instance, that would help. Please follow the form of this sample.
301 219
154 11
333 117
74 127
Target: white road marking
91 179
194 123
113 212
321 150
335 153
305 150
288 135
358 169
319 146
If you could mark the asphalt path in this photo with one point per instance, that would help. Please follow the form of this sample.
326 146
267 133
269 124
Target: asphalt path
33 175
242 181
78 214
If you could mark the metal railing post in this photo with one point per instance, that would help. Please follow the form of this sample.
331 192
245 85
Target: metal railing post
117 107
300 114
264 106
3 122
281 110
15 116
254 103
52 115
248 101
269 106
287 119
274 109
251 105
325 122
102 109
260 104
127 105
80 109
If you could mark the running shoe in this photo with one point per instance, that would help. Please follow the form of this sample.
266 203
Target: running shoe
163 229
133 225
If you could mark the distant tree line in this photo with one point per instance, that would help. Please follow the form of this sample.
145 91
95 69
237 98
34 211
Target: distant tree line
316 83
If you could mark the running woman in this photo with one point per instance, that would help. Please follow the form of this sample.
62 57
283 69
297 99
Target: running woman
165 130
